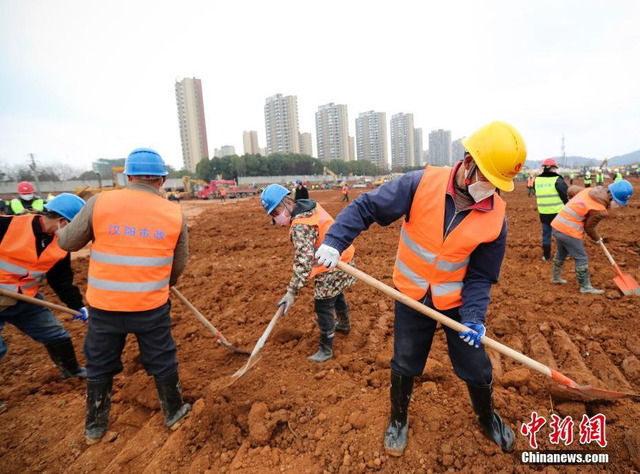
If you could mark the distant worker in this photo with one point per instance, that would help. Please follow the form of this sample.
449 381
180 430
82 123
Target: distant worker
309 223
572 176
29 251
139 249
530 187
551 196
587 179
27 201
617 176
450 251
301 191
599 177
345 192
223 193
583 212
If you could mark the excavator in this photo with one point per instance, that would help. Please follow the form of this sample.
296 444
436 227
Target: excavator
119 182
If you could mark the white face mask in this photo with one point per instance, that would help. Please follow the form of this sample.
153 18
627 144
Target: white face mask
480 190
283 219
614 205
26 197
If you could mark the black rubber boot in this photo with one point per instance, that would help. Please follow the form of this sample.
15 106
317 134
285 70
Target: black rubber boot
344 322
395 437
171 403
546 253
556 276
325 349
98 404
492 424
584 280
63 355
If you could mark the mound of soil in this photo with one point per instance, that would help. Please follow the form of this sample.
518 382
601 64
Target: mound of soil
288 414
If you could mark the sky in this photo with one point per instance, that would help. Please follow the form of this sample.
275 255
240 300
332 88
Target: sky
86 79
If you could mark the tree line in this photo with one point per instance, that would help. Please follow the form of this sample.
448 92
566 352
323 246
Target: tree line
276 164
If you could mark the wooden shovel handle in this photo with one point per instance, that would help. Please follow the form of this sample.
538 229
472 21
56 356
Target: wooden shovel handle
196 313
446 321
606 252
46 304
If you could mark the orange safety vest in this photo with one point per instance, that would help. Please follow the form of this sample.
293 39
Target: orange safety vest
135 235
570 219
322 220
21 269
426 259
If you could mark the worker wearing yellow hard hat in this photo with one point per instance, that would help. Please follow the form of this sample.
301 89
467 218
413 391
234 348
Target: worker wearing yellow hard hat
448 258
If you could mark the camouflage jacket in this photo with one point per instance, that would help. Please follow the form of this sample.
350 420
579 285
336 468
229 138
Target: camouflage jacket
304 237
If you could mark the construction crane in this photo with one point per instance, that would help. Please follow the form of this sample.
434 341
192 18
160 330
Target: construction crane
604 165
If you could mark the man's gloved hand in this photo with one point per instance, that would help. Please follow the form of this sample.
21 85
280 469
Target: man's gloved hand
473 338
327 256
287 300
83 316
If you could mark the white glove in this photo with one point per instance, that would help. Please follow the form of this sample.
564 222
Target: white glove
327 256
287 300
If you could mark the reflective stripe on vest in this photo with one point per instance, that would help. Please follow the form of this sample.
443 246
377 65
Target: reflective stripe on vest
17 207
135 235
426 260
21 269
547 197
322 220
570 219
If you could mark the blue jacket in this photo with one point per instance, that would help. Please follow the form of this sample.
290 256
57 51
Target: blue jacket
393 200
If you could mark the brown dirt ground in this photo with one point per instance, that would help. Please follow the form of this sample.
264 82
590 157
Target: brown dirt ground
290 415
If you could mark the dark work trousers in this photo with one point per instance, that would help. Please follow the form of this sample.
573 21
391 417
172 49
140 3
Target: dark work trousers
545 221
107 334
35 321
324 311
412 337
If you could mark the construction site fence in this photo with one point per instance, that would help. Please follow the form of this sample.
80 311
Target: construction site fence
55 187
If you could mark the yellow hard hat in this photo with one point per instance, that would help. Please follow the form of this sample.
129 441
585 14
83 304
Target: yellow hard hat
499 151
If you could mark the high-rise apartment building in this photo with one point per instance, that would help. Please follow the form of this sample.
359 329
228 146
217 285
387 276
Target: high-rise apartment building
332 132
281 124
402 145
250 142
457 150
306 144
224 150
193 129
371 138
440 147
417 146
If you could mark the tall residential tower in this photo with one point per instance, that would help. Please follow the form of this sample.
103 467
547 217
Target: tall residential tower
402 141
440 147
193 129
281 124
332 132
371 138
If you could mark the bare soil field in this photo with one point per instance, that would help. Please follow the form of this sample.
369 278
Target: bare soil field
292 415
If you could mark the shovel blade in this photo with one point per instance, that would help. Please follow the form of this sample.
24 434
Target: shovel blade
244 369
231 347
627 284
601 393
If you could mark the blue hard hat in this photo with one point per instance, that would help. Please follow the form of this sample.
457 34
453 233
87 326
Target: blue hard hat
621 191
145 162
298 181
65 204
272 196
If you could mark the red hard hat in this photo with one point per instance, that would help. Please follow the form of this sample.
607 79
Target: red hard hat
550 162
25 187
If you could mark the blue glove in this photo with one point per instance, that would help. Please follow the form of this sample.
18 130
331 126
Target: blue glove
473 337
83 316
